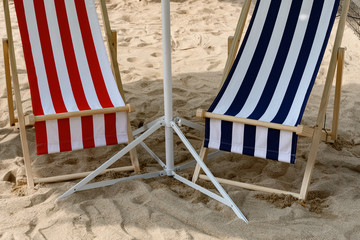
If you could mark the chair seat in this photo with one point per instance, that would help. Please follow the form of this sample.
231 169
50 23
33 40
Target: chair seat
68 71
272 77
250 140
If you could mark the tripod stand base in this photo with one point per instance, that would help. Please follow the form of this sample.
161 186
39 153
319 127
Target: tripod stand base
147 130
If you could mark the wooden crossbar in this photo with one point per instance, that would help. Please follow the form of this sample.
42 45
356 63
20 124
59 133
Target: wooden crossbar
73 176
200 113
301 130
31 119
250 186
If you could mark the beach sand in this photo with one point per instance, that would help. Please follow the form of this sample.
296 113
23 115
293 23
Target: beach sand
163 208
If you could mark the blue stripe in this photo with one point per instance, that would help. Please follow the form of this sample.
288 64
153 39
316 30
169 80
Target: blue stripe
300 63
273 140
226 135
256 61
249 140
231 72
279 62
207 132
331 23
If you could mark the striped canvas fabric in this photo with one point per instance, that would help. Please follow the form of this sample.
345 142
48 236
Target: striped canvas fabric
272 77
68 70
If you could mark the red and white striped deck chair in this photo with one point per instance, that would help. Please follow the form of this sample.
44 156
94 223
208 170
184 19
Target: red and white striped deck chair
259 107
76 100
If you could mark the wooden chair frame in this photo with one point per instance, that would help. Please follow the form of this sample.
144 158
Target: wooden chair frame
11 77
317 133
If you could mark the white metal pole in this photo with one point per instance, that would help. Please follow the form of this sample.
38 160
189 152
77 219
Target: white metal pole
166 43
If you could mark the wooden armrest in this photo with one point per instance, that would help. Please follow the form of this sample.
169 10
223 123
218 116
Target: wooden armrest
31 119
301 130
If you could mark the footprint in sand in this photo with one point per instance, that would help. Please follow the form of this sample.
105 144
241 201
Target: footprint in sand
180 102
9 177
209 49
144 84
21 71
123 30
155 92
213 65
318 194
126 18
179 91
143 44
73 161
40 198
132 59
123 44
128 39
112 6
142 199
155 54
185 80
208 11
181 11
24 86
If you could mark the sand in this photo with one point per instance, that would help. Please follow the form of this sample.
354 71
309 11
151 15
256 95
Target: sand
164 208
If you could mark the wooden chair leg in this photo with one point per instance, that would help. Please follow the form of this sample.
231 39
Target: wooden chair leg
15 81
8 82
133 154
27 160
339 75
324 101
310 163
23 137
114 43
203 155
230 41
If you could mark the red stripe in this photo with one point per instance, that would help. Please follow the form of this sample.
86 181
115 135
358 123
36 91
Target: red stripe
51 73
48 56
40 127
70 59
110 129
91 55
64 134
30 67
95 70
41 138
87 131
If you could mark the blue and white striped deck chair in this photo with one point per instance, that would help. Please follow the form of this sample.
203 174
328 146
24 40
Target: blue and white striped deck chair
260 105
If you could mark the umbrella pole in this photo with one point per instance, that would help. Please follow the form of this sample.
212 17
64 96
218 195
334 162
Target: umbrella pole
168 111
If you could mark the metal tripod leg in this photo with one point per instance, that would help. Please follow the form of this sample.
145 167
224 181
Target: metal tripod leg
225 197
112 160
